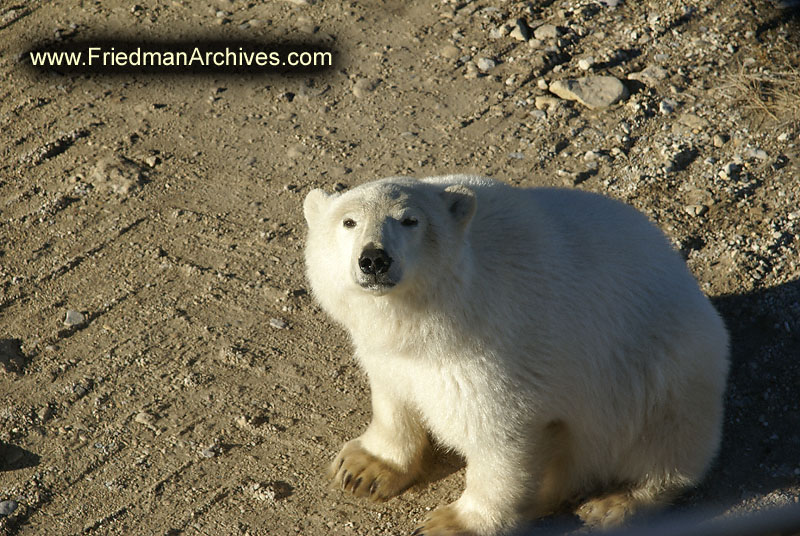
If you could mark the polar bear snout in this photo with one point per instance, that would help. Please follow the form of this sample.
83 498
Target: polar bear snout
376 270
374 261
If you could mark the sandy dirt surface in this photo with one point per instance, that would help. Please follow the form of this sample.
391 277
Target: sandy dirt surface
198 389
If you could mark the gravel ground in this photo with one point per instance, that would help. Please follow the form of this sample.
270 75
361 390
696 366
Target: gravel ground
163 368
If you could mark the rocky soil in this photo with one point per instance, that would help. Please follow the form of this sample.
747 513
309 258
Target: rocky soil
163 369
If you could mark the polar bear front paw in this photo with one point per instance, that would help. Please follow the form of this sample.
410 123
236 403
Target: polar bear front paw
443 521
365 475
608 511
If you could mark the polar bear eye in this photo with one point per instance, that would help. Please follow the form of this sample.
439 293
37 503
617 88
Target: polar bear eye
349 223
409 222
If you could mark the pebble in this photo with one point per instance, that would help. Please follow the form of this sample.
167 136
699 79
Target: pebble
7 507
695 122
545 102
586 63
364 86
152 161
667 106
650 76
116 174
695 210
783 137
594 92
542 84
74 318
145 419
719 140
755 152
450 52
546 31
521 31
485 64
500 31
729 170
295 151
210 451
278 323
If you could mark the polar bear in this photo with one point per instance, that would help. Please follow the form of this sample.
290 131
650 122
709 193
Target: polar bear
553 338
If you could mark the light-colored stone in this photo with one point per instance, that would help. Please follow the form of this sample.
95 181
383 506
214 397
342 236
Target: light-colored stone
586 63
74 318
521 31
650 76
546 31
545 102
485 64
364 86
695 210
450 52
594 92
695 122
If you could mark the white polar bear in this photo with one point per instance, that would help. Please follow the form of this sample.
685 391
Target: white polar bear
551 337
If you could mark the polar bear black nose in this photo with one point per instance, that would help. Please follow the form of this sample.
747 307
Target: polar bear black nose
374 261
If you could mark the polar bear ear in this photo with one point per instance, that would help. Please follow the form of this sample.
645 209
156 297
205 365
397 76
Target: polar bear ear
314 204
461 203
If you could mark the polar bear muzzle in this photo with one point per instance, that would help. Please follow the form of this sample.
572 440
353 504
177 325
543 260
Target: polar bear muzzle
373 269
374 261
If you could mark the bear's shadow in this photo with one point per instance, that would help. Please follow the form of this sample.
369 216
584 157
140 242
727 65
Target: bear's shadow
760 451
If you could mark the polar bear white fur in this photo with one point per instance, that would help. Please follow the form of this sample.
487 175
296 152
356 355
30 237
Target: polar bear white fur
551 337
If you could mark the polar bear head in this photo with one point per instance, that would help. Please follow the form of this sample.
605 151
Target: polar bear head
385 236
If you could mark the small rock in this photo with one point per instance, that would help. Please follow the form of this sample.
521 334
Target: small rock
542 84
545 102
145 418
755 152
667 106
695 122
594 92
586 63
546 31
364 86
210 451
650 76
116 174
278 323
450 52
695 210
499 32
783 137
485 64
521 31
7 508
729 170
74 318
719 140
295 151
152 161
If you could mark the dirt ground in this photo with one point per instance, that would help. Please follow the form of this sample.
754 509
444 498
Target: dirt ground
198 388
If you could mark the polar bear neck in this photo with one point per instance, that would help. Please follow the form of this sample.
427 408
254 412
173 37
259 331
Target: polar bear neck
419 317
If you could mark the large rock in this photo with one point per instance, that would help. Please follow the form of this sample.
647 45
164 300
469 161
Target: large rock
595 92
